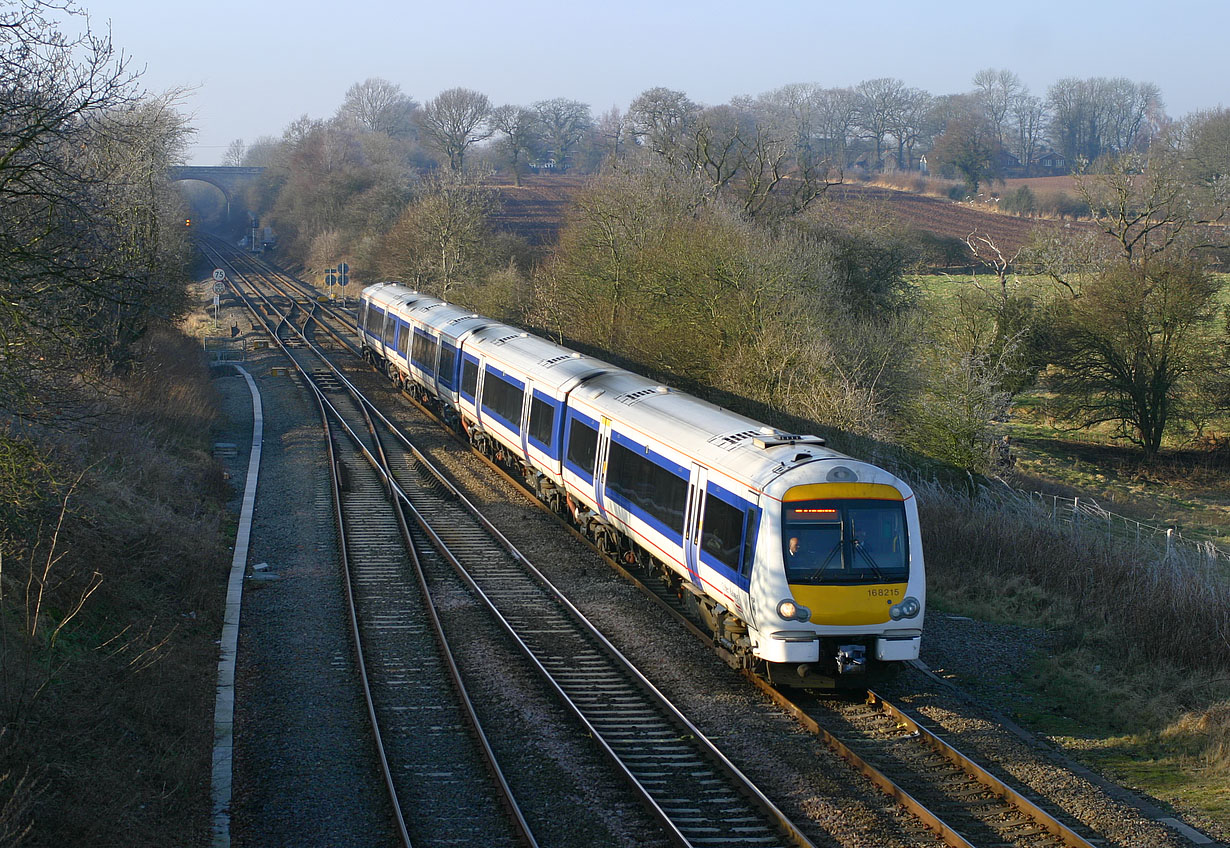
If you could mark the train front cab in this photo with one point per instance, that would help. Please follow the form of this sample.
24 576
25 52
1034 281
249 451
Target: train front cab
851 585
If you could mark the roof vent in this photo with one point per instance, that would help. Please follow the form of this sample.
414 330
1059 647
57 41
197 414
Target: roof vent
632 397
767 441
730 441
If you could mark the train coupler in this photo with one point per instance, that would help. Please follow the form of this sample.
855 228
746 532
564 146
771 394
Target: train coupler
851 659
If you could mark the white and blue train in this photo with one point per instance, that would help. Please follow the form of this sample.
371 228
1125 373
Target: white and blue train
806 564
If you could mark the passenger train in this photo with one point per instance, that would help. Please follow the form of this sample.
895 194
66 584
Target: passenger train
806 564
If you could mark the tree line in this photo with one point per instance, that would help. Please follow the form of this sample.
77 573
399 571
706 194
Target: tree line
715 219
91 486
998 126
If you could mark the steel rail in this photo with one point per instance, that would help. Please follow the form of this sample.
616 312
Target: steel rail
742 784
1040 817
952 838
949 835
264 269
380 465
386 771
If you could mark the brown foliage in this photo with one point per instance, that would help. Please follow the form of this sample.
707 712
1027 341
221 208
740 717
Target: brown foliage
109 618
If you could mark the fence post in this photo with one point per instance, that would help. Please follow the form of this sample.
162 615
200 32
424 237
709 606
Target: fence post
1169 541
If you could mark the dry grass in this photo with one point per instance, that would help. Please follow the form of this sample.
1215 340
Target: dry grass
1137 596
1205 734
1136 677
109 687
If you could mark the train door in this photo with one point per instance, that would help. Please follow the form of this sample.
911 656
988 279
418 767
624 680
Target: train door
693 513
527 397
604 452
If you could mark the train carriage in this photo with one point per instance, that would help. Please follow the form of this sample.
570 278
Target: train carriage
806 564
384 325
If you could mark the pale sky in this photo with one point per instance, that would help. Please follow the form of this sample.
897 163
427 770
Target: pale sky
256 65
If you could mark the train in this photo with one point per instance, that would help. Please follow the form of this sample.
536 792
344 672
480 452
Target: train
805 564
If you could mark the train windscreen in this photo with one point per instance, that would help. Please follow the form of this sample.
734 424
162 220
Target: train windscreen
845 541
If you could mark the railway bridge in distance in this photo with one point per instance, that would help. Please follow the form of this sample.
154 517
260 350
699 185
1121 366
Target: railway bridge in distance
229 180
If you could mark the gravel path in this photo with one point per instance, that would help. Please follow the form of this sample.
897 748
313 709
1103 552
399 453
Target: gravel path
304 772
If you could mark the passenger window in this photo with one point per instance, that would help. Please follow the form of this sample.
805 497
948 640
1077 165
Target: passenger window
542 420
583 446
469 378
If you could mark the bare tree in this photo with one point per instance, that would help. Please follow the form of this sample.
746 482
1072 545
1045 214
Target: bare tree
661 120
998 91
612 129
717 143
440 239
910 124
377 105
880 102
1094 116
1029 120
261 152
454 121
795 106
564 124
837 117
234 153
520 136
1202 143
83 192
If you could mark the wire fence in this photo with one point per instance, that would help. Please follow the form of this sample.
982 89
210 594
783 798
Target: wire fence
1087 514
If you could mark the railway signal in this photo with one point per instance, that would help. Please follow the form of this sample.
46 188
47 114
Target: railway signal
338 276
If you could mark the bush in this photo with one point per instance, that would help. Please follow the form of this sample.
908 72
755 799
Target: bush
958 191
1020 202
1063 205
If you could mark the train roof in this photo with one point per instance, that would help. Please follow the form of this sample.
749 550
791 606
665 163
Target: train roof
550 364
396 295
726 441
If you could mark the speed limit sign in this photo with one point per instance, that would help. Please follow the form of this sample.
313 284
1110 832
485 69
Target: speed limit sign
219 288
219 275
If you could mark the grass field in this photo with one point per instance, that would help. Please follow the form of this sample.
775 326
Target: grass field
1163 729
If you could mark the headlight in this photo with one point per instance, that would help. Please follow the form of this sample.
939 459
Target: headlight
788 609
908 608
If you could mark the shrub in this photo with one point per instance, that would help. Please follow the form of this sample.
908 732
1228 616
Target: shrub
1063 205
1020 202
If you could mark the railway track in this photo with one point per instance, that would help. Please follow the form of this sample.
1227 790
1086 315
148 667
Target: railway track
954 799
696 793
441 775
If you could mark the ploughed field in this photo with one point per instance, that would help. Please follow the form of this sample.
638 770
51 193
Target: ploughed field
943 217
537 210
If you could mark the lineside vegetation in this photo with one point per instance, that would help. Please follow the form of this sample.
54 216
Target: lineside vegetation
112 529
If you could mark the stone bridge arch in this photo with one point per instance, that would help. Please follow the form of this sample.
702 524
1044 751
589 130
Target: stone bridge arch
229 180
